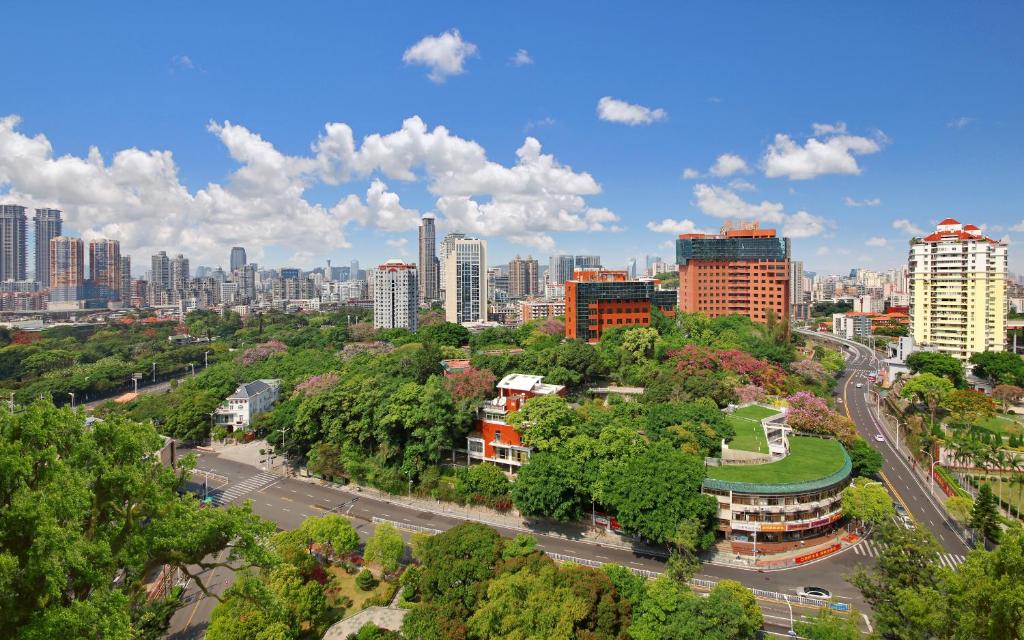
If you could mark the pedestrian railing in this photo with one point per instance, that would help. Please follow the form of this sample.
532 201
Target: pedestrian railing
405 525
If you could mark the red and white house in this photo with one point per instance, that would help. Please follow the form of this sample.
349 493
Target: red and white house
493 439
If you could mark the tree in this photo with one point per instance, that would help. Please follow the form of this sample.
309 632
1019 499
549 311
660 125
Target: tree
522 545
929 389
549 485
457 564
444 334
670 610
939 364
83 505
811 414
968 405
331 530
654 490
999 367
867 461
1007 393
960 507
385 547
985 515
828 625
483 482
639 341
868 501
985 597
545 421
276 607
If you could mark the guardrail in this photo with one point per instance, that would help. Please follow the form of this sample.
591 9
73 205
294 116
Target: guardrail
405 525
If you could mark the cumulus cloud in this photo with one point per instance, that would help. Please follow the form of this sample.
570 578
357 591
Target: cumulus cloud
445 55
136 196
822 251
611 110
877 241
397 243
1018 228
907 227
867 202
182 62
728 164
831 150
723 203
668 225
520 58
959 123
690 174
739 184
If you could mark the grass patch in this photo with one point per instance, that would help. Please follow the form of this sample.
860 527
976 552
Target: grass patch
754 412
1002 425
345 585
1010 495
808 459
749 435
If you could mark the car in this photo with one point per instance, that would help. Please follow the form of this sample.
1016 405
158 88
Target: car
860 385
839 401
907 521
899 509
818 593
879 437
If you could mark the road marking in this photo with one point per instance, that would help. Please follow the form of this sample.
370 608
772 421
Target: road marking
309 495
895 493
304 515
283 509
287 498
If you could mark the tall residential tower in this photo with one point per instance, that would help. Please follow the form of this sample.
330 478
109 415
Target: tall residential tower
48 225
429 290
13 242
465 272
394 296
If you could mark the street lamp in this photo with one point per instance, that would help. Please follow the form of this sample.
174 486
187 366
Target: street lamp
206 359
154 372
192 366
72 399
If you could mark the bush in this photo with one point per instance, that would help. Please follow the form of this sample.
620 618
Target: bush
365 580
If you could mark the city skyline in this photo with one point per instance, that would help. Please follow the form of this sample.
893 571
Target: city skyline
843 174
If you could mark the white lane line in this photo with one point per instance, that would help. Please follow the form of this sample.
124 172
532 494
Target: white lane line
304 515
283 509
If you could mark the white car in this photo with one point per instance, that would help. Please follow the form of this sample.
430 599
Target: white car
860 385
818 593
879 437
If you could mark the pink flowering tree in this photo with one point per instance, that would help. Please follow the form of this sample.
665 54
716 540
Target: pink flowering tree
315 385
552 327
261 352
811 414
750 393
810 370
692 359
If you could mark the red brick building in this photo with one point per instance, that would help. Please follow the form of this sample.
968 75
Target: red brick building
596 299
493 439
741 271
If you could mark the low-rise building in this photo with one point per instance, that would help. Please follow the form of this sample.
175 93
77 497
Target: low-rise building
598 299
535 308
248 401
851 325
494 439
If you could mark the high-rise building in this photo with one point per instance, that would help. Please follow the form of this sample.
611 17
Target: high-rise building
237 258
631 268
353 269
160 276
395 292
126 280
247 283
48 225
446 245
743 271
105 268
560 268
428 266
598 299
522 278
796 282
180 275
13 242
587 262
67 269
466 280
958 290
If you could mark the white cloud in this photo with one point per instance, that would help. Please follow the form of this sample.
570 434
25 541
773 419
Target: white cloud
546 121
867 202
611 110
521 57
668 225
182 62
690 174
1018 228
668 244
834 152
728 164
877 241
136 196
907 227
445 55
959 123
723 203
397 243
822 251
802 225
739 184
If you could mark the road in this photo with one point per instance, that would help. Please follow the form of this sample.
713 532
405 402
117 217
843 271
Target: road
902 481
288 501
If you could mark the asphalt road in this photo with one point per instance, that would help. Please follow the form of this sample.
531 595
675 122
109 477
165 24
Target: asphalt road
906 486
288 501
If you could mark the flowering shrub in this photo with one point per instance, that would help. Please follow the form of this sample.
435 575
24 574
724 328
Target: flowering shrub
471 385
315 385
261 352
692 359
552 327
811 414
810 370
750 393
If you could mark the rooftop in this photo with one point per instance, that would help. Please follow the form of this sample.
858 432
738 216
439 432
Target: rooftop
812 463
526 382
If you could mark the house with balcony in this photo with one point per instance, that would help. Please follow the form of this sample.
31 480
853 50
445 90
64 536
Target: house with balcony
495 440
248 401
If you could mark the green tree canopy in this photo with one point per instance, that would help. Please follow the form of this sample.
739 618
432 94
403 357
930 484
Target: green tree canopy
545 421
929 389
940 364
549 485
868 501
385 547
1000 367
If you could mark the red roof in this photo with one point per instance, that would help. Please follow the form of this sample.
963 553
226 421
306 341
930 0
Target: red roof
949 221
971 227
960 235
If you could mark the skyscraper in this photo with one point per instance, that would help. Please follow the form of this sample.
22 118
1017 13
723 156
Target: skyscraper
394 295
429 290
160 279
105 268
631 268
48 225
67 269
126 280
446 244
587 262
522 277
237 258
796 282
958 290
179 277
13 242
353 269
560 268
465 272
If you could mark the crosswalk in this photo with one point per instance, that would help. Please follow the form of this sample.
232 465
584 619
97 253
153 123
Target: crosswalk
872 549
223 496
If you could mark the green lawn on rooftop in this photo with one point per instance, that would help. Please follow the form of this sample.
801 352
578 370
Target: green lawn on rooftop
808 459
754 412
749 435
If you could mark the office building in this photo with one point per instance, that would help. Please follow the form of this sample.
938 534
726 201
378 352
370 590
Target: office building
105 269
67 269
522 278
465 270
247 283
395 292
958 290
159 278
745 271
428 268
631 268
597 299
796 282
48 225
560 268
851 325
587 262
237 258
179 275
125 287
13 242
446 246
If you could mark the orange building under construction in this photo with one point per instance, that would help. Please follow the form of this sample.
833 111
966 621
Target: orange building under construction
743 271
596 299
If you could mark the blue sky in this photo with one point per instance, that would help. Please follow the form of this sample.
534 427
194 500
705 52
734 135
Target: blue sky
204 117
